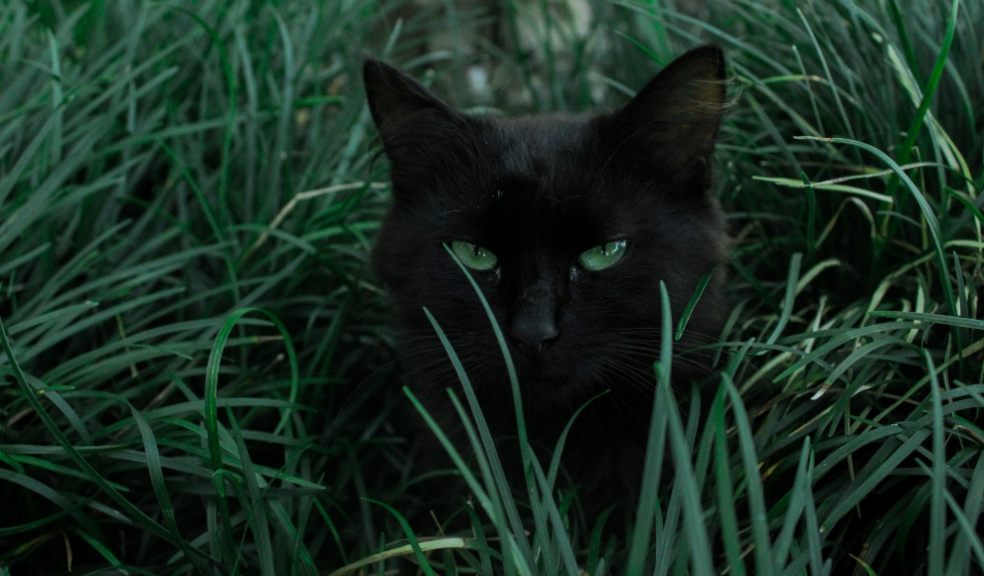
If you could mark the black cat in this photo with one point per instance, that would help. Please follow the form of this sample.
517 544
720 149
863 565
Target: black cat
568 224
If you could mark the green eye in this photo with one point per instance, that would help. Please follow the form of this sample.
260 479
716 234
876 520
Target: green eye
474 256
603 256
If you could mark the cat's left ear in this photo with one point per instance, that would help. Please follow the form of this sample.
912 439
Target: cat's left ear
673 121
410 119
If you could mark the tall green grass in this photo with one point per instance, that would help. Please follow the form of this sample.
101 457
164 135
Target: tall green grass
197 375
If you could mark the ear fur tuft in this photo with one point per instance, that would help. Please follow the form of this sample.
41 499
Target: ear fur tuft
674 120
405 112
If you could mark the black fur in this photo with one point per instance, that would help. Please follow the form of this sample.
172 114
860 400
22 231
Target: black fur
538 191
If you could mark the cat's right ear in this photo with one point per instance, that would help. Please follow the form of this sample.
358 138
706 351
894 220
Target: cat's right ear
410 119
673 122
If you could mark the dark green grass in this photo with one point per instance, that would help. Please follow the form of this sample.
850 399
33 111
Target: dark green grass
197 375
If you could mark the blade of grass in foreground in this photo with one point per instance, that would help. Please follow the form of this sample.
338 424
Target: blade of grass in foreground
699 544
218 508
524 444
526 454
446 543
795 505
469 477
725 486
411 536
494 475
870 477
490 505
646 510
691 304
160 488
789 299
562 547
959 561
562 441
916 124
966 528
255 506
670 545
764 560
937 511
958 321
491 502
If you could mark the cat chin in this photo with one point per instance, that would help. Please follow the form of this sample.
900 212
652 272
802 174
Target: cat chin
552 390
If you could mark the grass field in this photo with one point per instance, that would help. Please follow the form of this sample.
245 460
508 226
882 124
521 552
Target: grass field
197 375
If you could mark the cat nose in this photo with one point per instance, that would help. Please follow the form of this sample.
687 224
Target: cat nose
533 322
533 332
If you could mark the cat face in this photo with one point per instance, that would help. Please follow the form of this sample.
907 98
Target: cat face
566 223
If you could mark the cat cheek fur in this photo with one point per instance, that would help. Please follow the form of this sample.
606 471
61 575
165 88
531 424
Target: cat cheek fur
536 192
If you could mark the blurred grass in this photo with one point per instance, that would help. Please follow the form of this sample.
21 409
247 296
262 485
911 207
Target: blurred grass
197 375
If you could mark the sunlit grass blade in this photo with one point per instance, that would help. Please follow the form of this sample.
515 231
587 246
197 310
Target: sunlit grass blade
927 212
414 542
691 304
380 557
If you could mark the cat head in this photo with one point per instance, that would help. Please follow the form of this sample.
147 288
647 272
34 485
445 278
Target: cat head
567 223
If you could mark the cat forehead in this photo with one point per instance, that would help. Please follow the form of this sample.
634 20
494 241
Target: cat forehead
545 147
542 175
550 161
